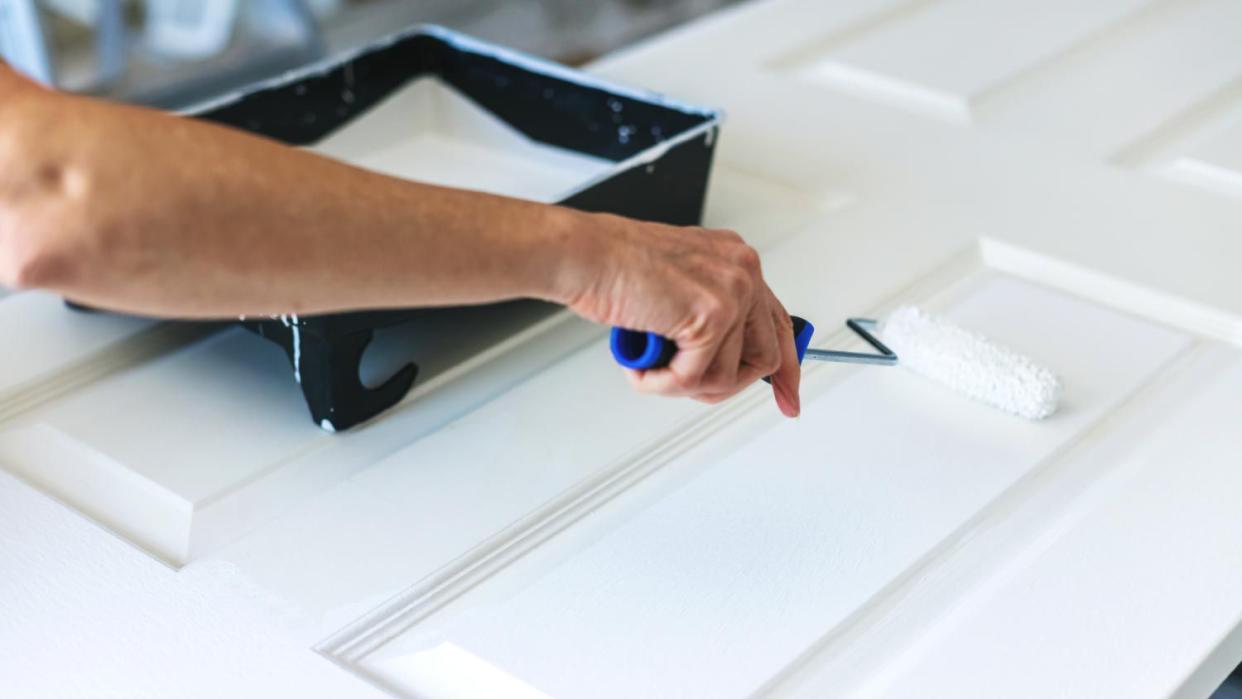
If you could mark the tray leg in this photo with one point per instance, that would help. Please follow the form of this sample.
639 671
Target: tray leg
332 385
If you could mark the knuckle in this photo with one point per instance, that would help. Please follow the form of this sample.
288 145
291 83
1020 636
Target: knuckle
739 282
748 258
643 387
33 266
717 311
687 384
771 368
724 379
769 361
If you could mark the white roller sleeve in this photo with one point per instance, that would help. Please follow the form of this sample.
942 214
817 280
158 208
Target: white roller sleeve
971 364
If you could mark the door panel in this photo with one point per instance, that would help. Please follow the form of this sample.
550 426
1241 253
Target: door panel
1058 176
715 574
55 349
941 58
1211 157
238 449
1116 96
1170 504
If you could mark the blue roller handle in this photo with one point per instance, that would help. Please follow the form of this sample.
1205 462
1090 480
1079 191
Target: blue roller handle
634 349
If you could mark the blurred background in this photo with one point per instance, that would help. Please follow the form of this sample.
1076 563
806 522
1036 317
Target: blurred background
174 53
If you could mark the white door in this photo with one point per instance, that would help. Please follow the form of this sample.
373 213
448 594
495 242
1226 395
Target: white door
1065 177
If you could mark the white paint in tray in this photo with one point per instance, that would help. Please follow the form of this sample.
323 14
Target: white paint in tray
428 132
291 322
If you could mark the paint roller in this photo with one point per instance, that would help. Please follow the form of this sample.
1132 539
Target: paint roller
959 359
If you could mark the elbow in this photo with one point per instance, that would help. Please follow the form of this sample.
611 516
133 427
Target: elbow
33 263
41 241
13 274
42 271
41 213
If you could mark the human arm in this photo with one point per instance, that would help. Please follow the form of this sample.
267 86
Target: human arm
140 211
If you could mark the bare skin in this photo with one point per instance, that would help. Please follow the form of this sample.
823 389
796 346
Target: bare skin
139 211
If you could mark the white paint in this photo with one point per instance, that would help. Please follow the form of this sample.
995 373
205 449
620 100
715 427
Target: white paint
445 148
429 132
939 58
55 339
452 672
920 610
1161 71
706 587
1179 490
971 364
135 507
273 456
540 65
136 628
491 492
1121 294
189 426
470 45
1213 160
295 327
765 211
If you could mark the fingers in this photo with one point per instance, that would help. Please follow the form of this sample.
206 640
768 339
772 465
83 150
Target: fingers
705 291
681 378
751 353
787 378
784 370
711 367
758 347
722 375
762 348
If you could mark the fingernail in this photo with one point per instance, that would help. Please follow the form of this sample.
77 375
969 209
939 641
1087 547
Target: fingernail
792 401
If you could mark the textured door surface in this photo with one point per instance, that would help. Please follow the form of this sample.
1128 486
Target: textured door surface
1065 177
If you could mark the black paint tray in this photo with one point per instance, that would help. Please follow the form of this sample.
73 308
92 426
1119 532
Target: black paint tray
653 157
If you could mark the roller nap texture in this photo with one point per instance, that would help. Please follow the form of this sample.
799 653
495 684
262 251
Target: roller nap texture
971 364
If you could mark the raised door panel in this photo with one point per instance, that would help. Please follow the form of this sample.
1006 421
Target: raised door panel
941 58
191 448
1119 96
1116 540
734 553
714 570
531 508
55 349
1209 156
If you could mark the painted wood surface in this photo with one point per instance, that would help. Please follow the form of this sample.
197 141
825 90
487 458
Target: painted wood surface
882 467
1069 189
940 58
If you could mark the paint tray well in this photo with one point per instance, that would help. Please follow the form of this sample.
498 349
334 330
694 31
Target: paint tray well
433 105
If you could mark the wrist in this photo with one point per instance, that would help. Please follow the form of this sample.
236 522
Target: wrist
575 248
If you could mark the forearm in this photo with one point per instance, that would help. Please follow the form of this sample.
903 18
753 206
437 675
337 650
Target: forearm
133 210
145 212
